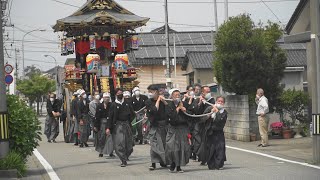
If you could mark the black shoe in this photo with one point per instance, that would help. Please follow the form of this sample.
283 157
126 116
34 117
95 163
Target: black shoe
264 145
194 157
100 155
172 167
140 142
123 164
179 170
112 155
54 141
152 167
49 141
202 164
81 145
76 144
86 145
163 165
259 145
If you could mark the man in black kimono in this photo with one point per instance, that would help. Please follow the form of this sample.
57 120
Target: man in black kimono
83 110
104 143
189 102
201 106
214 151
177 144
156 114
138 102
74 116
52 122
121 116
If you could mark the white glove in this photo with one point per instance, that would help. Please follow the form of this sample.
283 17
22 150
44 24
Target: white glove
213 115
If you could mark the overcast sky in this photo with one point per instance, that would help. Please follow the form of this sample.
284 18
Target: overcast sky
27 15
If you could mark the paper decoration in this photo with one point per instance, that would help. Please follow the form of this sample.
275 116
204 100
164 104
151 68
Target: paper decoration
70 45
113 39
92 61
64 51
134 42
92 41
121 62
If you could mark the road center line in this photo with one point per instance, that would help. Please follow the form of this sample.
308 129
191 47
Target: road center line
52 174
274 157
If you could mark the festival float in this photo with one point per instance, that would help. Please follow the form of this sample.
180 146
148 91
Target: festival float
101 35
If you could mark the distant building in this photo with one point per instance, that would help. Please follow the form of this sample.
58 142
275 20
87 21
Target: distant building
152 54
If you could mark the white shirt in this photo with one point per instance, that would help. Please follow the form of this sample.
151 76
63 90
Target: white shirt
263 106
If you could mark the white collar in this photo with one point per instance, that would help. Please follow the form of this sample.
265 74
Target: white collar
261 98
119 102
221 111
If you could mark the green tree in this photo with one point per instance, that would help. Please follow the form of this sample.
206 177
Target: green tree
35 88
31 71
247 57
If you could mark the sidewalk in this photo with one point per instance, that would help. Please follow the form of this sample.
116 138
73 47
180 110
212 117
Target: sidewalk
293 149
35 170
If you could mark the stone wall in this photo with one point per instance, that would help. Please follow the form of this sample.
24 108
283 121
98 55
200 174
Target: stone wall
241 118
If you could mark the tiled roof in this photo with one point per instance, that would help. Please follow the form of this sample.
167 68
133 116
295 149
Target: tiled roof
200 60
181 38
296 56
152 49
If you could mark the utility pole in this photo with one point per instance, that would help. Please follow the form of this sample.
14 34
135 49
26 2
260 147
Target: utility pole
4 121
315 77
215 15
225 10
168 74
175 55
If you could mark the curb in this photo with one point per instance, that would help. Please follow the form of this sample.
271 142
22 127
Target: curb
37 163
11 173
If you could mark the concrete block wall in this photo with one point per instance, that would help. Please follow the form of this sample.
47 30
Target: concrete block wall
238 122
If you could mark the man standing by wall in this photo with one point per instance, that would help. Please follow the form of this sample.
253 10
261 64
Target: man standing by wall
263 120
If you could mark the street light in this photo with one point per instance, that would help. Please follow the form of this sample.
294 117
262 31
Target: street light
56 71
38 29
55 61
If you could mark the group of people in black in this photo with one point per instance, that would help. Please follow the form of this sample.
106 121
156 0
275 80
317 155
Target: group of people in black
182 127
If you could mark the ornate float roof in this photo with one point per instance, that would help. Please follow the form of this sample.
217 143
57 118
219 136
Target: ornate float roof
100 13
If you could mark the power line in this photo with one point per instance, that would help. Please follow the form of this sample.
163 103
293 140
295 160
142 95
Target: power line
38 51
65 3
179 24
39 37
34 60
271 10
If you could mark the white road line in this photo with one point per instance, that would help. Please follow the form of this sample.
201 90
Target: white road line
274 157
52 174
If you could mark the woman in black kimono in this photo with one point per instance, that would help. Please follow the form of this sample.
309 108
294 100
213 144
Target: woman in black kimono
177 144
119 124
74 116
52 122
84 126
156 114
214 150
104 143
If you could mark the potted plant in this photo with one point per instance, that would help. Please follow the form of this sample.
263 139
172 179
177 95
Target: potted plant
292 102
286 130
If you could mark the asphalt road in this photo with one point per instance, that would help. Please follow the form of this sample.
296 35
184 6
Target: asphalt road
72 162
